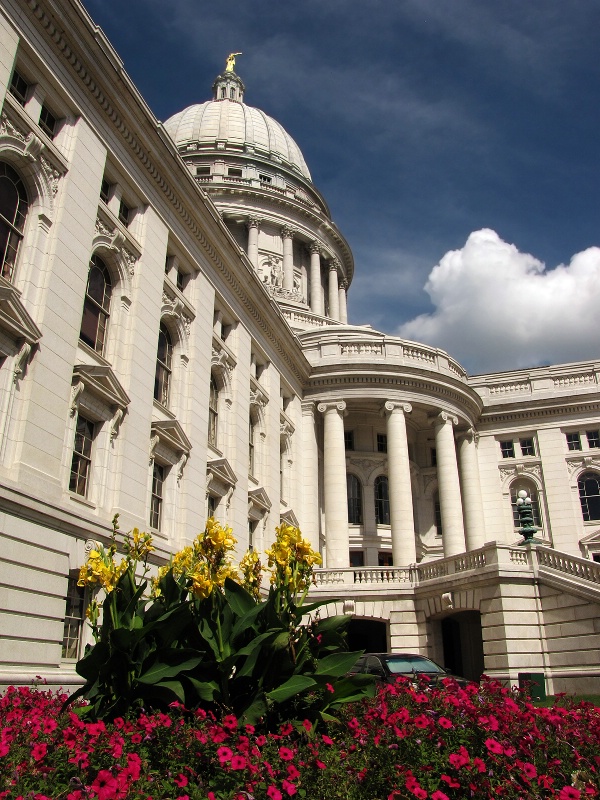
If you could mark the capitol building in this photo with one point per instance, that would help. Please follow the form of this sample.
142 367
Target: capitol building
175 344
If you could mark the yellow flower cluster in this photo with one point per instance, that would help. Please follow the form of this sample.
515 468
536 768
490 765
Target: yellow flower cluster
205 563
251 570
100 569
292 559
138 545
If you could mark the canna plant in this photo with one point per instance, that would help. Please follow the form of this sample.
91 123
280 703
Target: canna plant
205 637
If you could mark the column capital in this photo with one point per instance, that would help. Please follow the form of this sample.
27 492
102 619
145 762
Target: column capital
308 408
254 222
471 435
315 247
337 405
287 232
392 405
343 284
335 264
443 417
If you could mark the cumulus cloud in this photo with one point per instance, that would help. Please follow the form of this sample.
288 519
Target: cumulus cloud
497 308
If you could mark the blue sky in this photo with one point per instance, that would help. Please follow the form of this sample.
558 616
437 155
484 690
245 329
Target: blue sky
456 142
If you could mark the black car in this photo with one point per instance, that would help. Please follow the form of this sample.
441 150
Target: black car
389 666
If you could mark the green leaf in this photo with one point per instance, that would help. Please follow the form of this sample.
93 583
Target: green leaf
181 663
313 606
89 666
295 685
337 664
331 623
205 690
239 599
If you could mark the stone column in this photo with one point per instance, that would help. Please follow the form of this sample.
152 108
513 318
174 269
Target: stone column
310 473
471 489
400 491
334 302
253 224
287 234
453 534
334 485
316 300
342 301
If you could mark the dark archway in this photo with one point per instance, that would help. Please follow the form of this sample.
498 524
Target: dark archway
463 644
370 635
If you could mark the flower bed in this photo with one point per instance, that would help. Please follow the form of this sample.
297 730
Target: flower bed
444 744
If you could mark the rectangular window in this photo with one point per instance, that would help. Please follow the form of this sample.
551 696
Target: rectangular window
18 87
527 447
433 454
357 558
593 438
124 213
349 440
437 516
104 190
234 172
48 122
265 179
251 464
158 479
180 280
202 170
382 442
507 449
385 560
74 617
573 441
81 463
252 525
212 506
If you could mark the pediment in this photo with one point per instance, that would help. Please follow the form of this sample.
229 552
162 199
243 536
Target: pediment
591 538
220 470
171 435
14 318
102 382
259 499
290 518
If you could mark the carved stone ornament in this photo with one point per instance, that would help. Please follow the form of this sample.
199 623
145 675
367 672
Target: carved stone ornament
52 175
392 405
315 247
254 222
154 440
90 544
287 232
181 466
102 228
520 470
21 361
116 423
8 129
444 417
338 405
76 390
368 465
575 464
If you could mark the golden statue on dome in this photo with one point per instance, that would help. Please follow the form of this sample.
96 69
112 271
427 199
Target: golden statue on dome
230 64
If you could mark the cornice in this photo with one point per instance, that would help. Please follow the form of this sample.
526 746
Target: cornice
560 409
279 334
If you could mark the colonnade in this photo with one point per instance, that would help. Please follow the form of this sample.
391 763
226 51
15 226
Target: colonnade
458 485
336 285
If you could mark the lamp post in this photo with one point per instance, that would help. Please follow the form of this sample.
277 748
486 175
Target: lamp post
525 511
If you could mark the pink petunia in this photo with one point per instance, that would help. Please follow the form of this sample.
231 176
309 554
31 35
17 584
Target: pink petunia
494 746
105 785
290 789
569 793
238 762
274 793
224 754
529 770
285 754
181 781
444 722
327 739
38 751
437 795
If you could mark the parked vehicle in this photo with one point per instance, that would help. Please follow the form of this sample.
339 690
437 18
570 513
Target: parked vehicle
389 666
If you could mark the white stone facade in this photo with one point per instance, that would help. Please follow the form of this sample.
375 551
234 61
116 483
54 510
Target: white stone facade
174 343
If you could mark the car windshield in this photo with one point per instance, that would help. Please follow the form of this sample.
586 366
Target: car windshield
398 665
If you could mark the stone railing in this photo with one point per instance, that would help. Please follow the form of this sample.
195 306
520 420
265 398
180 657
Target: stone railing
299 319
581 568
371 576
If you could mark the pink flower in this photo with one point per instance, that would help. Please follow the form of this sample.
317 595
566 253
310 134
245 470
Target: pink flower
327 739
230 722
529 770
307 725
421 721
289 787
292 772
105 785
437 795
494 746
444 722
224 754
285 754
181 781
274 793
38 751
569 793
238 762
329 688
459 759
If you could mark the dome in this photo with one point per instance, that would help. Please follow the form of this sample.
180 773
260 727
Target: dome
239 126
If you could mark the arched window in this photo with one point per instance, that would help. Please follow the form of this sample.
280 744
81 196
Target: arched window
531 490
382 501
164 358
354 500
213 412
589 495
13 213
96 306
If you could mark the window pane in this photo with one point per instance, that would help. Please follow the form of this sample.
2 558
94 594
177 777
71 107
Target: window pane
573 441
82 456
593 438
74 616
507 449
589 496
527 447
382 501
531 490
354 490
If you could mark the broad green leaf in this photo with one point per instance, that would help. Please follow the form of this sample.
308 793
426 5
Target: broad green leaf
204 689
239 599
332 623
295 685
159 670
337 664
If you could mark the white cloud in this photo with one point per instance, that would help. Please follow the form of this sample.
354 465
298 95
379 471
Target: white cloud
498 308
